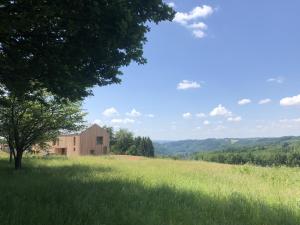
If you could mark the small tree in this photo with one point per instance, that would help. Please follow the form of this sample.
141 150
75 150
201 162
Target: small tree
26 122
123 141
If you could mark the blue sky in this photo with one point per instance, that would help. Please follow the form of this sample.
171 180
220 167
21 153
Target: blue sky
207 72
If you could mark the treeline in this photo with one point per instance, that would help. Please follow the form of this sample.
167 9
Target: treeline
123 142
277 155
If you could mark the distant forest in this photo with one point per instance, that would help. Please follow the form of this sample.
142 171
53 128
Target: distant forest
258 151
277 155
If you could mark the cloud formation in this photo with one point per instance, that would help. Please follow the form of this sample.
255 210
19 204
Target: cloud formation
220 111
134 113
171 4
99 122
264 101
235 119
110 112
122 121
206 123
290 101
187 115
244 101
196 13
190 20
200 115
186 84
297 120
278 80
150 115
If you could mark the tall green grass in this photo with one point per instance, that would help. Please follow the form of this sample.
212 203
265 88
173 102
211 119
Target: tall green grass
116 190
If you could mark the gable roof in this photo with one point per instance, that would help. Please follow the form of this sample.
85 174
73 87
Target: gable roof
82 131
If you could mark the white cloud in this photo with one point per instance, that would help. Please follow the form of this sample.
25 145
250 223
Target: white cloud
191 21
244 101
171 4
200 115
264 101
297 120
198 29
150 116
122 121
220 111
290 101
199 33
196 13
235 119
134 113
278 80
187 115
199 25
110 112
99 122
206 123
186 84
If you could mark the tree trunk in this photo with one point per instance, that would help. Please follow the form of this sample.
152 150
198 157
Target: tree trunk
12 155
18 160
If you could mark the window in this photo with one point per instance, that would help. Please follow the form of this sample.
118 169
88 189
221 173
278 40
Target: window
99 140
55 142
74 149
74 140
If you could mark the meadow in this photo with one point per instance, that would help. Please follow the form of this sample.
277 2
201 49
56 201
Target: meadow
123 190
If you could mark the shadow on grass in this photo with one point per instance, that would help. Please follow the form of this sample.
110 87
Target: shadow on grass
77 195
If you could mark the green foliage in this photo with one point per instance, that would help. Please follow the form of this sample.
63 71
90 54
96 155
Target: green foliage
132 150
123 141
28 122
275 155
68 46
126 143
110 131
118 190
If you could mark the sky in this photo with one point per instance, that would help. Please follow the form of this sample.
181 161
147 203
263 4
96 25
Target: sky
220 69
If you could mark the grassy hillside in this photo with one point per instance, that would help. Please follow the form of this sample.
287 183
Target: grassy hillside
116 190
187 147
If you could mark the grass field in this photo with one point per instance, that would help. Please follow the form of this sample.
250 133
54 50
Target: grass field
117 190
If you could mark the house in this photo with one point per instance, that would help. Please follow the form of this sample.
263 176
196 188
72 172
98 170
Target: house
92 141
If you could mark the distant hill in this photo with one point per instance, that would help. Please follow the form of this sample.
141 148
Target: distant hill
187 147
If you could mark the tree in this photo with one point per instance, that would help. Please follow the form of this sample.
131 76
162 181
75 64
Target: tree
110 131
28 122
138 144
69 46
144 146
123 141
150 148
132 150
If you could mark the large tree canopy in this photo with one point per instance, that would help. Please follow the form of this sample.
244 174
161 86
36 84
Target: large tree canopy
68 46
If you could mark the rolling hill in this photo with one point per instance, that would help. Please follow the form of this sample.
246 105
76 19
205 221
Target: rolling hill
187 147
